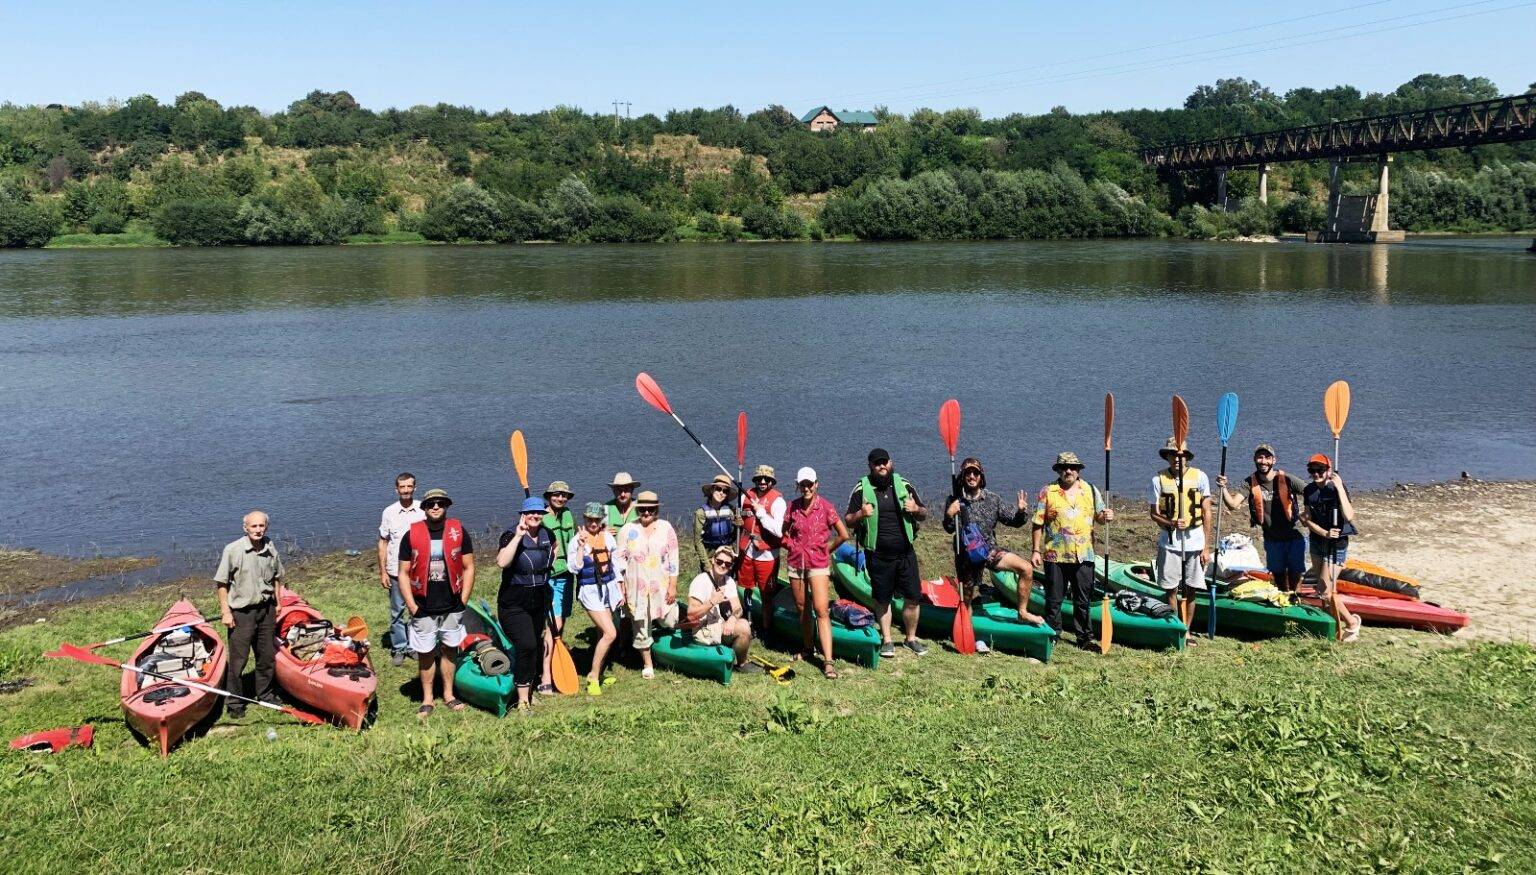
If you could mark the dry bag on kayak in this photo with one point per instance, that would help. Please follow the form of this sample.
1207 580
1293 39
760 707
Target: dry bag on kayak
1135 603
851 614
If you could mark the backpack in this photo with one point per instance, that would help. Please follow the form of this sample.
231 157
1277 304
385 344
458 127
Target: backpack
973 545
1147 606
852 614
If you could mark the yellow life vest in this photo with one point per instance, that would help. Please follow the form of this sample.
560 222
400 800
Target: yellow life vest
1171 506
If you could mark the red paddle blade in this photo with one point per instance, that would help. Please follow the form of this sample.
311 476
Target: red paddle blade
1109 420
305 716
1180 422
963 632
741 438
80 654
646 386
1336 406
949 424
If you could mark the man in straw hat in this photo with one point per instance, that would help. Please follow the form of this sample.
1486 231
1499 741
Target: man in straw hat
561 523
1062 543
1182 551
715 524
648 549
986 510
762 532
621 508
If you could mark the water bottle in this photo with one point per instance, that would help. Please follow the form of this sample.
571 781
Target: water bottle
271 734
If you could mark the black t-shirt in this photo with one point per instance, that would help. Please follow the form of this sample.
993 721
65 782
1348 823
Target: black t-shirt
535 556
440 598
1276 527
1322 501
890 536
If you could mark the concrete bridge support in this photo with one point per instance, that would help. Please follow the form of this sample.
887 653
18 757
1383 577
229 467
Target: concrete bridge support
1263 183
1357 218
1221 189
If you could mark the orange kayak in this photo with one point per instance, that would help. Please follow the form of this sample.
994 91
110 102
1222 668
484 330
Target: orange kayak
342 689
163 710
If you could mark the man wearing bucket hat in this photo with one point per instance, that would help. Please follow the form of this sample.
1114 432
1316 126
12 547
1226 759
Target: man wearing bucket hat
648 547
599 569
885 511
561 523
1062 544
715 524
1274 506
984 510
762 532
621 508
526 555
438 561
1182 551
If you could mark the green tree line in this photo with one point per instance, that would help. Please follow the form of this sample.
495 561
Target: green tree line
326 169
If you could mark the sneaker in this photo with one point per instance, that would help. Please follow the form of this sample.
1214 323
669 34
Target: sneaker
1353 633
609 681
917 647
750 668
397 658
1089 644
235 711
981 647
888 650
594 688
647 672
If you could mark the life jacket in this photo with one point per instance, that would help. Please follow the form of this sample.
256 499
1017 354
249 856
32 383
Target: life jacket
1282 497
598 567
421 555
618 520
872 525
753 536
562 524
719 526
1171 506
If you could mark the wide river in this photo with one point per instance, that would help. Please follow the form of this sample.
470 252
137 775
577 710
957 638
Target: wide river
150 397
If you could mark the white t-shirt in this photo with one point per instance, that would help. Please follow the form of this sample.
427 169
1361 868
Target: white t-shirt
703 588
1190 540
771 519
393 525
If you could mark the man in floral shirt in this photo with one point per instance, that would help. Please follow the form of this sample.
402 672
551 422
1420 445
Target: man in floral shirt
1065 512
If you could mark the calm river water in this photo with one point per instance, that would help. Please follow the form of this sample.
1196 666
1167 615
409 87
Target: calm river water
151 397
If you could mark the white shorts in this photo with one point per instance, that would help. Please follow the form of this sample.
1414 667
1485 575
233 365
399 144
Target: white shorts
1170 572
601 596
425 632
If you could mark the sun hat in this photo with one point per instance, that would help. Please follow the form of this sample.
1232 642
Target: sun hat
972 463
878 456
623 479
594 511
1264 450
1067 460
647 499
1172 447
806 474
437 495
534 504
764 471
721 480
1319 459
559 486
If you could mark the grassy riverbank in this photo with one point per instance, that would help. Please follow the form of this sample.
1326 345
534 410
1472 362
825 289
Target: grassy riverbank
1404 753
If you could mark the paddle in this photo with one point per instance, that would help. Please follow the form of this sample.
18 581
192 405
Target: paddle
651 392
741 448
1336 408
1106 624
781 673
1180 435
962 632
356 628
1226 423
137 635
562 668
1109 431
80 654
520 459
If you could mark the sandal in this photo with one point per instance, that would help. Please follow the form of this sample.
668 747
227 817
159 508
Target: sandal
454 705
828 672
423 712
546 689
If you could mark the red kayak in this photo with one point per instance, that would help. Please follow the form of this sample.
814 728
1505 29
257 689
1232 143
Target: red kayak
164 710
335 677
1395 611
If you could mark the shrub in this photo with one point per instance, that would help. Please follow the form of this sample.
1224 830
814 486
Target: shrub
195 222
625 220
707 223
773 224
106 222
464 212
24 223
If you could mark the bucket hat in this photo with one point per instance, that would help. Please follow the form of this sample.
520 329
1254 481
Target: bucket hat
1171 447
594 511
534 504
437 495
559 486
1067 460
721 480
764 471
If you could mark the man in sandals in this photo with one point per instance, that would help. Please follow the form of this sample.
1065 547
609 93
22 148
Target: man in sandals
437 562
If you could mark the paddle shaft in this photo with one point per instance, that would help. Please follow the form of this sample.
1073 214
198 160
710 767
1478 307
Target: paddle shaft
136 636
1106 524
1210 574
208 689
679 421
1333 543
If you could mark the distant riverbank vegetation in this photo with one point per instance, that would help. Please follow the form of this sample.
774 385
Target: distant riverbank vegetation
326 170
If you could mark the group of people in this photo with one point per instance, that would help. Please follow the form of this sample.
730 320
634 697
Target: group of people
620 561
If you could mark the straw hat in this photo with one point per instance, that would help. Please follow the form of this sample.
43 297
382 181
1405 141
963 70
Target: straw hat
647 499
623 479
1171 447
721 480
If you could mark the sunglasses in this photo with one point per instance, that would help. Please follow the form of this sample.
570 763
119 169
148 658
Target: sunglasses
432 505
761 480
723 563
971 472
1316 470
645 510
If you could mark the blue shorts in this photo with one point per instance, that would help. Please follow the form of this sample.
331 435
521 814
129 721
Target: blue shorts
1333 552
1286 557
562 591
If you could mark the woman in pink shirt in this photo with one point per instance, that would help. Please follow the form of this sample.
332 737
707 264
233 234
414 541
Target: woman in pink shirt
808 526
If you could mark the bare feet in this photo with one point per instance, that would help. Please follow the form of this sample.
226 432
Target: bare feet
1031 619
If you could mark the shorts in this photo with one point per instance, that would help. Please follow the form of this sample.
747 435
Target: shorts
1286 557
1333 552
428 630
716 633
1174 566
757 573
808 573
562 591
896 576
995 558
601 596
643 639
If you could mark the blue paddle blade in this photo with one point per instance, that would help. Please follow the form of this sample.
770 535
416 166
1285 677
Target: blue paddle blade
1226 417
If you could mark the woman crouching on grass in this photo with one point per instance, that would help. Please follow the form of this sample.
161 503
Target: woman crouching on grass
809 525
593 558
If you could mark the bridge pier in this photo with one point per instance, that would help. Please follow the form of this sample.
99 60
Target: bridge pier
1221 189
1263 183
1357 218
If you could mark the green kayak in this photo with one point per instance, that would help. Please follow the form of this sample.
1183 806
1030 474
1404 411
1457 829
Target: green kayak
1237 617
494 694
677 651
995 624
1133 630
860 646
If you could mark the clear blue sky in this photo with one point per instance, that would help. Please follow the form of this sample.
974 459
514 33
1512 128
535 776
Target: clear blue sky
661 55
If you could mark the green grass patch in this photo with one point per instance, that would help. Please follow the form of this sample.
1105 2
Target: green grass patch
1405 753
127 239
391 237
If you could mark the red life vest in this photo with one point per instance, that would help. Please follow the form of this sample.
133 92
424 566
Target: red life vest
753 535
421 555
1282 497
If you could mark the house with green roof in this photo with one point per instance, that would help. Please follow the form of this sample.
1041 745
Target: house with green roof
824 118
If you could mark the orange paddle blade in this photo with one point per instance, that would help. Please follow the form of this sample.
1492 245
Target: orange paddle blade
949 425
1180 421
356 627
1109 420
563 669
520 457
741 438
1106 626
646 386
963 632
1336 405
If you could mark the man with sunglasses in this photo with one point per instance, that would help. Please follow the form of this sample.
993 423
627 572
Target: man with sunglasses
438 561
1274 507
973 503
886 511
1330 517
762 533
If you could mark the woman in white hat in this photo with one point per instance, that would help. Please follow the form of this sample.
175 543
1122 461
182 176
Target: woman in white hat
649 549
809 525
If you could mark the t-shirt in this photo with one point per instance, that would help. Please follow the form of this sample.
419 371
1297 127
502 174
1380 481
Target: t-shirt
1321 501
1066 521
440 598
1187 540
702 588
393 524
530 567
1276 527
806 531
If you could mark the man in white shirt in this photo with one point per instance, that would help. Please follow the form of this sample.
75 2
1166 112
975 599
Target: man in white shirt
393 525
